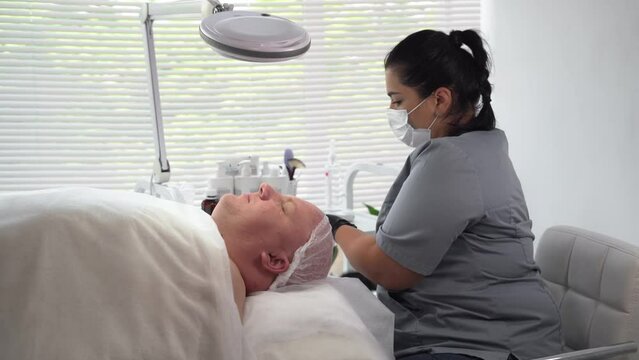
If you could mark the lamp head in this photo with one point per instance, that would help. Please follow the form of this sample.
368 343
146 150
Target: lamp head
253 36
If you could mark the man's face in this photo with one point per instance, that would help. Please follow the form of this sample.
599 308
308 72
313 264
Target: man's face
266 217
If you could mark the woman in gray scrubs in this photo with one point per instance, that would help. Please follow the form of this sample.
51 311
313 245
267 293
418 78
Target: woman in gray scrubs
453 253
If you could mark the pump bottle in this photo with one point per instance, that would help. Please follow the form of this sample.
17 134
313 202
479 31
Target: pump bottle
246 182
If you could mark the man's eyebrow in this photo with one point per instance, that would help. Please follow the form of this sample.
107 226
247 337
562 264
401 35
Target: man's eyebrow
391 93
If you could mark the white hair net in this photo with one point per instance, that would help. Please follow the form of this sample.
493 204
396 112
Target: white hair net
311 261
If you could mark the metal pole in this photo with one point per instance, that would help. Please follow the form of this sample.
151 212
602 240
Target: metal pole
161 168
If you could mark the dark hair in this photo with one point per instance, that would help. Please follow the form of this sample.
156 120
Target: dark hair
429 59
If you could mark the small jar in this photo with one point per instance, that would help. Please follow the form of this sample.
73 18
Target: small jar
209 203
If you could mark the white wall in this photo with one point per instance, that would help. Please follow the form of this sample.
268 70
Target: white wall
566 91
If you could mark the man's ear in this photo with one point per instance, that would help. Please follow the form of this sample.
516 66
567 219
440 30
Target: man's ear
275 262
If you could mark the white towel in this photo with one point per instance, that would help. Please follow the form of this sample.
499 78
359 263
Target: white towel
95 274
333 318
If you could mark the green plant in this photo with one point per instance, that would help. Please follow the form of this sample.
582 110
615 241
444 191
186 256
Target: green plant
371 210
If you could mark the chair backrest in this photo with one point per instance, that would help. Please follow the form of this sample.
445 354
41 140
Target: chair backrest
594 280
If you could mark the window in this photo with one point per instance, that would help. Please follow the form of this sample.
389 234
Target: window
74 102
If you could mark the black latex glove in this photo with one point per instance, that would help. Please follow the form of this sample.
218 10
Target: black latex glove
337 221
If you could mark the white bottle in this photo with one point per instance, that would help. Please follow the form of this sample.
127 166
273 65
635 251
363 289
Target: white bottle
255 164
246 182
275 178
223 182
333 174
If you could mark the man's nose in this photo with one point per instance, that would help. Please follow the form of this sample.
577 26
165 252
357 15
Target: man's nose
266 192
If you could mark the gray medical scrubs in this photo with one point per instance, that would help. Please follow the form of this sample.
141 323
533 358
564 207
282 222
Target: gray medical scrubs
457 215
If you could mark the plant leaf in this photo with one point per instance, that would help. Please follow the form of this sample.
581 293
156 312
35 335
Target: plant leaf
371 210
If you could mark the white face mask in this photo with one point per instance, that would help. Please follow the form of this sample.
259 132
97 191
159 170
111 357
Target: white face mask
398 121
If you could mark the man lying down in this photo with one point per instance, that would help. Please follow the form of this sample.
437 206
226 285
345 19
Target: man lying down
97 274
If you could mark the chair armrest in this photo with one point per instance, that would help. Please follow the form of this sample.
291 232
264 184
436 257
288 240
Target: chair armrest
602 352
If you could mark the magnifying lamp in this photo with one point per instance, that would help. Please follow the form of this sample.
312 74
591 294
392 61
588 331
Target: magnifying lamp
242 35
251 36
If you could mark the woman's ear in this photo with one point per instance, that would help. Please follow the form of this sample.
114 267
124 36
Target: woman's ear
443 100
274 262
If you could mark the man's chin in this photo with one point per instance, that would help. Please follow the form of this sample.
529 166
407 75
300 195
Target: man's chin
225 205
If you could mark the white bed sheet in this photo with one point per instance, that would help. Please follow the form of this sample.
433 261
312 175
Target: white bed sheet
97 274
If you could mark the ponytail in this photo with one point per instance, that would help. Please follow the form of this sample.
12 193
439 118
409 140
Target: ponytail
485 119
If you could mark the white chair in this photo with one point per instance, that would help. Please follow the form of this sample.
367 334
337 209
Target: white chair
594 280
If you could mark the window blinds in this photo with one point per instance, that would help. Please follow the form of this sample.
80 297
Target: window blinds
75 108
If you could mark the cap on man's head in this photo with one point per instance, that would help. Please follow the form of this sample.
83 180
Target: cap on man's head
311 261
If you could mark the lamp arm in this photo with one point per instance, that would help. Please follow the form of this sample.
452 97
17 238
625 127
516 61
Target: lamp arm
161 168
182 9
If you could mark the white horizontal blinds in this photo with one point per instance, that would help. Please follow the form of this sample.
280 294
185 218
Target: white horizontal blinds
214 107
74 105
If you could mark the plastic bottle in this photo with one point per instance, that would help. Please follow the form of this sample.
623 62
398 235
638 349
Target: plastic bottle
223 183
255 164
274 177
246 182
333 174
